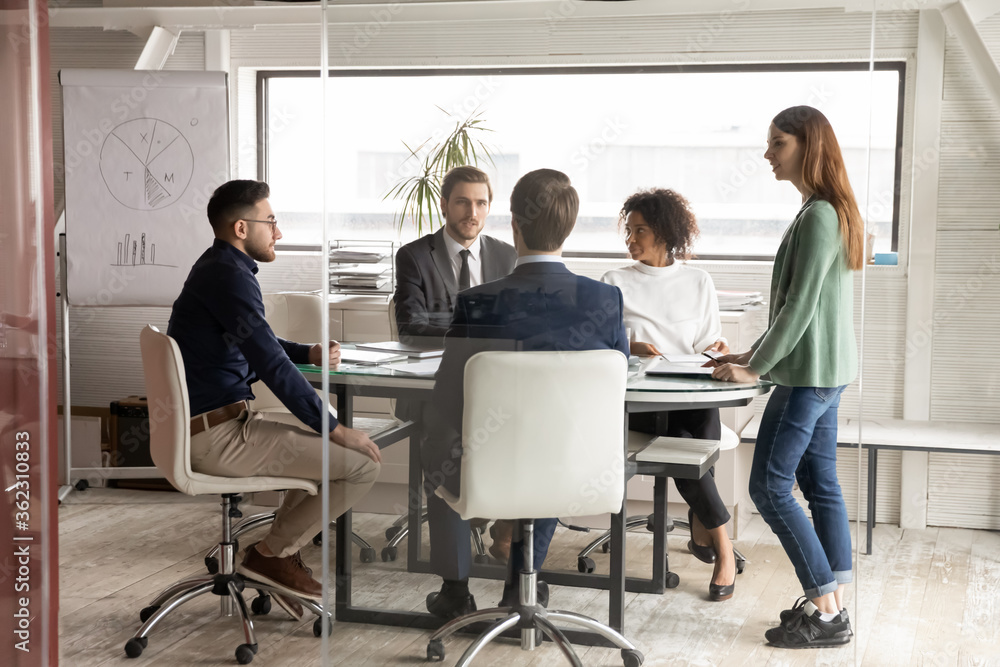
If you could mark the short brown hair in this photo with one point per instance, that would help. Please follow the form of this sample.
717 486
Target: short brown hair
544 205
670 217
464 174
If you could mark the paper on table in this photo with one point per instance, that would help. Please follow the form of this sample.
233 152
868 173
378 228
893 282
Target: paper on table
686 358
365 357
425 367
396 347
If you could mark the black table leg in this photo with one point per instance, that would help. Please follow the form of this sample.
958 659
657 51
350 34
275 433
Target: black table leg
872 484
344 527
617 575
414 506
661 564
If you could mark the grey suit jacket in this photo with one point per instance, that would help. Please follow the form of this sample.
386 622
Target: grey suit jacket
426 286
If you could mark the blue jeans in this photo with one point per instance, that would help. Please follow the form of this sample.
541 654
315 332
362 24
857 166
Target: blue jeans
798 440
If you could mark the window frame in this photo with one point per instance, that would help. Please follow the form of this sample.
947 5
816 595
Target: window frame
264 76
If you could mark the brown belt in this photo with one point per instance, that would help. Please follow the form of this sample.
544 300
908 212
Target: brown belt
217 416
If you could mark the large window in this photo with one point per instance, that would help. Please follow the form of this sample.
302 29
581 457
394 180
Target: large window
700 130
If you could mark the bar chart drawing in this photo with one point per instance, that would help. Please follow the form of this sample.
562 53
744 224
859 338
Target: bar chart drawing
146 164
133 251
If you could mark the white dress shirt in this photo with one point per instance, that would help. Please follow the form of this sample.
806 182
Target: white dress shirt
475 258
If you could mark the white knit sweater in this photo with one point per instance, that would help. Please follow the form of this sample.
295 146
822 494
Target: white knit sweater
673 307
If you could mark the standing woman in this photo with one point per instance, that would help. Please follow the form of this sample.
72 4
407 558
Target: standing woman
672 308
810 352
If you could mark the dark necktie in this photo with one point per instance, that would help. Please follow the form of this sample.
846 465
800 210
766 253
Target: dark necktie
464 280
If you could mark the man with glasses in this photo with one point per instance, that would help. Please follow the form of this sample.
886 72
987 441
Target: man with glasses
218 323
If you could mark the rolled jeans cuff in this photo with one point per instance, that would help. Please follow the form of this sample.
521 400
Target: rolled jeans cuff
844 576
820 591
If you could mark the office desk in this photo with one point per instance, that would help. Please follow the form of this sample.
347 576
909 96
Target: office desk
642 394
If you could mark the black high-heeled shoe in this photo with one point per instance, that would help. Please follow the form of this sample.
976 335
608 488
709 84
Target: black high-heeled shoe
704 554
719 592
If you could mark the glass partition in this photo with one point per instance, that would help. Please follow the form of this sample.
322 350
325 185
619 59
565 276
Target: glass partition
620 97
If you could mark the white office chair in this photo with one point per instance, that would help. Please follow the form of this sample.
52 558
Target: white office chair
637 441
556 449
170 447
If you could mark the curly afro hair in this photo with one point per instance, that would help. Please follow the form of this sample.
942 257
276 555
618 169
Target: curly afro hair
670 217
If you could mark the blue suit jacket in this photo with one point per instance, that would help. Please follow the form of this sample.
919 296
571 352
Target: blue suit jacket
539 307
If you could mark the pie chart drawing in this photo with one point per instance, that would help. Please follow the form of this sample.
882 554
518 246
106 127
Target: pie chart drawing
146 164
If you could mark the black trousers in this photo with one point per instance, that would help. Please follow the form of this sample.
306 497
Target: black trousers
701 495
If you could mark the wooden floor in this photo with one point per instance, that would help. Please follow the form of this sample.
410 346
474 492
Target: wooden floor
926 597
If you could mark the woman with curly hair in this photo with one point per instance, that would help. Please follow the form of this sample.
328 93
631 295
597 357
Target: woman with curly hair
672 308
810 353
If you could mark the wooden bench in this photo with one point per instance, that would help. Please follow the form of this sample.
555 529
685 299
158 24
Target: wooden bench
903 435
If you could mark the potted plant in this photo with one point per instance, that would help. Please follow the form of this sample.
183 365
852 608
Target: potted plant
421 193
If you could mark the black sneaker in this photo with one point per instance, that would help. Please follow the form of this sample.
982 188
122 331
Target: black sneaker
799 608
801 631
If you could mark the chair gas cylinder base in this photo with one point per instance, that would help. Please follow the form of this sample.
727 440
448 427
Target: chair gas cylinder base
170 447
530 617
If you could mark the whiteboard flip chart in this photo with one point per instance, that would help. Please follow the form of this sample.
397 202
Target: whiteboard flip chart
144 150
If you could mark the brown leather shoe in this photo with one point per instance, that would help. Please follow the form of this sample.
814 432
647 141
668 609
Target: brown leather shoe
501 531
289 573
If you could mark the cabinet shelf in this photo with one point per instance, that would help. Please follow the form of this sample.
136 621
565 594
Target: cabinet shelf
362 267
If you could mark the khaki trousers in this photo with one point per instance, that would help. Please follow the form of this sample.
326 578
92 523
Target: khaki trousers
257 443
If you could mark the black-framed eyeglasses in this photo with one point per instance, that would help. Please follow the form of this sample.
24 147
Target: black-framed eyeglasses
273 223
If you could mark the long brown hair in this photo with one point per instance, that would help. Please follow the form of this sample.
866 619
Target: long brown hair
824 173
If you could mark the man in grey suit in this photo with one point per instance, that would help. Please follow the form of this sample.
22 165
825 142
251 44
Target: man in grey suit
432 270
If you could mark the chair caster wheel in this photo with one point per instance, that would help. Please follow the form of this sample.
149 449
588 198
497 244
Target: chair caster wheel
82 485
389 553
606 547
632 657
391 532
212 564
368 555
147 612
261 605
650 526
318 627
482 559
245 653
134 646
585 565
435 650
672 580
740 566
318 539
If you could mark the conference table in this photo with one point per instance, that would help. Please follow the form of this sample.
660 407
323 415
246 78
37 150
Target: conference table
642 394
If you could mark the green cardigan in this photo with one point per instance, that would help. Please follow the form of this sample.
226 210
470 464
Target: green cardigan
809 340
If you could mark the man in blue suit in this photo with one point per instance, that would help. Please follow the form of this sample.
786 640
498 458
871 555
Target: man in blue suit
541 305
